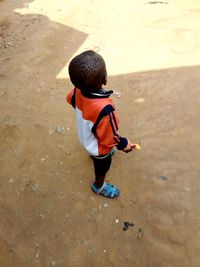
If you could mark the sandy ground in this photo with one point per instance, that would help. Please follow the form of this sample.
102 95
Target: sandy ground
48 214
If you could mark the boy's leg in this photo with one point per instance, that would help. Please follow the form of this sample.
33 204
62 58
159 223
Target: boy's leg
101 167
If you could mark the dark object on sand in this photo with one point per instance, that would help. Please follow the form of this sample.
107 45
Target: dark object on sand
164 178
125 228
157 2
126 225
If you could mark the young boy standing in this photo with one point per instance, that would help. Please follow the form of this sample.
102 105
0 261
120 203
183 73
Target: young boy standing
97 120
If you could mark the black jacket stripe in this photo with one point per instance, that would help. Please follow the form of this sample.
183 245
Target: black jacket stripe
105 111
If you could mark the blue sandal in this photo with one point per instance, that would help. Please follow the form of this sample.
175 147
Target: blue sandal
107 190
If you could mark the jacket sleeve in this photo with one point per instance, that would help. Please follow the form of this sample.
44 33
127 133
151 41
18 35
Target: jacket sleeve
71 97
107 132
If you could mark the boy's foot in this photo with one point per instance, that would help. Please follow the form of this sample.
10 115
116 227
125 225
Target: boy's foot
107 190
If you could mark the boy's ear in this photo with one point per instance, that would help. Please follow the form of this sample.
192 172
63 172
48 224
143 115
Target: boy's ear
104 80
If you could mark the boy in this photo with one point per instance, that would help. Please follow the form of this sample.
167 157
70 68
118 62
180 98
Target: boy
97 120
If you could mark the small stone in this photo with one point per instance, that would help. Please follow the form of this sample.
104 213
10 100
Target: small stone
11 181
164 178
37 254
59 129
105 205
43 159
140 233
35 187
117 220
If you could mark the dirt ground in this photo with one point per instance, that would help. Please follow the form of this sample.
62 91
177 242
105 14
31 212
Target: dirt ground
48 214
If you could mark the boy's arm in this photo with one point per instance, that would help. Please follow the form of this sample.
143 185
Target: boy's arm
71 97
107 132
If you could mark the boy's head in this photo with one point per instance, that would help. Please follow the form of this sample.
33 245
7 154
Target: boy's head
87 71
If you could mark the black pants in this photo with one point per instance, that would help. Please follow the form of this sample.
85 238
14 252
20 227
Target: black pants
101 166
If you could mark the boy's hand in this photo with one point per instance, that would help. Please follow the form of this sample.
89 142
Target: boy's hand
131 146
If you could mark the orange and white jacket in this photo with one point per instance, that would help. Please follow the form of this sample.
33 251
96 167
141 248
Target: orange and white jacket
97 121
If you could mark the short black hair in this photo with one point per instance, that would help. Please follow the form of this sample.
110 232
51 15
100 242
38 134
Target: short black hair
87 71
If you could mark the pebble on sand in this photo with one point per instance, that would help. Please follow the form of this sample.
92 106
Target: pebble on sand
164 178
